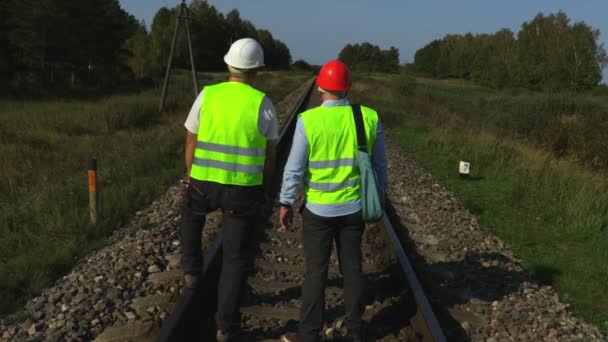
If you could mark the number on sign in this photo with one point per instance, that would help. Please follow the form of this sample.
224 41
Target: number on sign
464 167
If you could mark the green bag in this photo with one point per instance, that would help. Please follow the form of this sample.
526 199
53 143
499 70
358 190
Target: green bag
371 205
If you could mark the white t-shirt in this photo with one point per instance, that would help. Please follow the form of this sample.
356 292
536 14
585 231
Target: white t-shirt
267 119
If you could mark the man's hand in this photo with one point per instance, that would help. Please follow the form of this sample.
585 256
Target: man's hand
285 217
189 150
186 182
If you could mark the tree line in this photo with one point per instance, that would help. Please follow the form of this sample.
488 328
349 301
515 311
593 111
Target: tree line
548 53
63 42
367 57
211 32
46 42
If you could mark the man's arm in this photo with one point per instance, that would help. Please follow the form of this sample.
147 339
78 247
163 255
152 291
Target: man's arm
189 150
295 168
191 125
270 165
268 127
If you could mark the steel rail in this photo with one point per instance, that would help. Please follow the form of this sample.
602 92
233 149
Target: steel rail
424 321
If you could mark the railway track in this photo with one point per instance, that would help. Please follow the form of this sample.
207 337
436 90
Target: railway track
396 310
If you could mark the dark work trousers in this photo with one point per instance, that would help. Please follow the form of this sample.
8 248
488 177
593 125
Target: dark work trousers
240 205
318 235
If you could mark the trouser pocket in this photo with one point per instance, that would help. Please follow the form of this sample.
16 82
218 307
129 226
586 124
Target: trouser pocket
243 201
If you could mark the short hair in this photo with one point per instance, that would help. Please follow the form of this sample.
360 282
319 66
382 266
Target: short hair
239 71
339 93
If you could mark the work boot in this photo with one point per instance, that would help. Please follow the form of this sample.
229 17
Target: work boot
291 337
190 280
222 336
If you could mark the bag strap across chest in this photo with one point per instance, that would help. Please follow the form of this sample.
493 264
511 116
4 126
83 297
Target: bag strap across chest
361 140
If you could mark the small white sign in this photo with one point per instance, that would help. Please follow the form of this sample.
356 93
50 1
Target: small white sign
464 167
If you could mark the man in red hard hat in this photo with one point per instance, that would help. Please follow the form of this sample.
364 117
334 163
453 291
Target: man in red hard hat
323 157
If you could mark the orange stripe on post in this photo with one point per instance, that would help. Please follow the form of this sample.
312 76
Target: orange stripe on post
93 190
92 180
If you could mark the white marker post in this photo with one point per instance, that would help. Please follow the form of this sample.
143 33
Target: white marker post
464 169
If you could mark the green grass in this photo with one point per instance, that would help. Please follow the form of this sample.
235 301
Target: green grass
552 212
554 219
564 124
44 151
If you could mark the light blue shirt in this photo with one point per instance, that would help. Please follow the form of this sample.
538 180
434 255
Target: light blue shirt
297 163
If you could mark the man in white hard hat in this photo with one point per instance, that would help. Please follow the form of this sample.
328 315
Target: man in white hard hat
230 141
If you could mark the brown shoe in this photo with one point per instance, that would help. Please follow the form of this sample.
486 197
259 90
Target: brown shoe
190 280
222 336
291 337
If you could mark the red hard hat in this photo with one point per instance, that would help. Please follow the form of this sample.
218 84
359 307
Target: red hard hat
334 76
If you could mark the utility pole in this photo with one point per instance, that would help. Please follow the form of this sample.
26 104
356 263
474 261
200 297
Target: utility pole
184 15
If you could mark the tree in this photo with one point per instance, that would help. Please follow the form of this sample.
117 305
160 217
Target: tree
390 60
425 59
445 62
139 58
266 39
282 55
210 36
366 57
549 53
239 28
588 58
6 59
54 40
49 42
501 58
301 64
276 53
161 33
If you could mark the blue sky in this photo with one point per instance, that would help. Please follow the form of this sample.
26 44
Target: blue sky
317 30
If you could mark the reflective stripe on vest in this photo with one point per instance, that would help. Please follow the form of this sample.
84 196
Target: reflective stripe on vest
234 167
325 164
332 176
244 151
230 149
332 186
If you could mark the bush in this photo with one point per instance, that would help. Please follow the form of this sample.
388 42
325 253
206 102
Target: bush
600 90
301 65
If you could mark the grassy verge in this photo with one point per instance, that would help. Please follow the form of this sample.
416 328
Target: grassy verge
44 150
552 212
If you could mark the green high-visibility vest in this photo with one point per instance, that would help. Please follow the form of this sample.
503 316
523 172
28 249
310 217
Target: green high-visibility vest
230 148
332 176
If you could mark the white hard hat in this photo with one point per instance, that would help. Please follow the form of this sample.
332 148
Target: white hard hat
245 53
